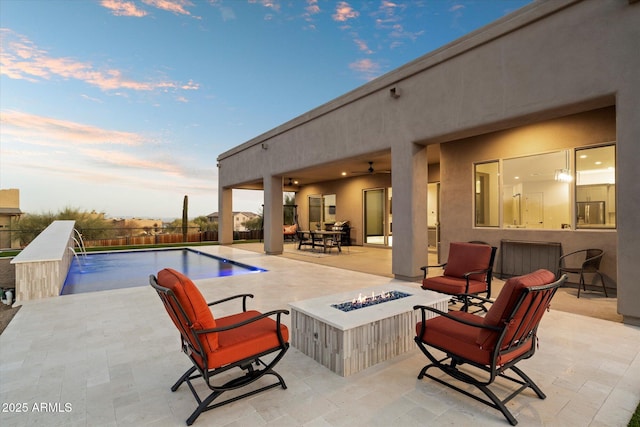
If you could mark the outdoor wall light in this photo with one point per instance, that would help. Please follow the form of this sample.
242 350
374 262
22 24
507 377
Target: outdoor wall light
394 92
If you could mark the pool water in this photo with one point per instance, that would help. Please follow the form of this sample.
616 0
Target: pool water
128 269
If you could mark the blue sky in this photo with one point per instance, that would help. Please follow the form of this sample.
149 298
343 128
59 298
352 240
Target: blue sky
122 106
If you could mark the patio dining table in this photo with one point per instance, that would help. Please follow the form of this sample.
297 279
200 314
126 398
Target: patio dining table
322 238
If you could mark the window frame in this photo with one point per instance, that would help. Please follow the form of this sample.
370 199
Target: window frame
571 198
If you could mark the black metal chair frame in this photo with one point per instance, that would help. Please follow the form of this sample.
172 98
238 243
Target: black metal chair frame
526 335
463 298
591 264
250 373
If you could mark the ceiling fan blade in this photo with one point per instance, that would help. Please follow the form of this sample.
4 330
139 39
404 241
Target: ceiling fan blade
370 171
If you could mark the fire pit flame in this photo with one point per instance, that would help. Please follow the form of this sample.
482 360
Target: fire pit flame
362 301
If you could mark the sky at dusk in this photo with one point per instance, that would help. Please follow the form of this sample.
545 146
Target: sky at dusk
122 106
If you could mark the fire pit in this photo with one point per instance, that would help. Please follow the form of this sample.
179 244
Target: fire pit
367 301
370 330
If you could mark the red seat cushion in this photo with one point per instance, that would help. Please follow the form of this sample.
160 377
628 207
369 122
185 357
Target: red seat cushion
245 341
289 229
460 339
194 305
453 285
504 305
466 257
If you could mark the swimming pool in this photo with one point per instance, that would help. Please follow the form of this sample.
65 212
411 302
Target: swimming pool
127 269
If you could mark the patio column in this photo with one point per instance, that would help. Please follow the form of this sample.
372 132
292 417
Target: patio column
225 216
627 189
409 182
273 200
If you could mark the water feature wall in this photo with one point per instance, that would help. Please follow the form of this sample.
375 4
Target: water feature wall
42 266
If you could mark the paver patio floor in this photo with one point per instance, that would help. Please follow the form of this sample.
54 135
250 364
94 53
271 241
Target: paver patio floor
109 358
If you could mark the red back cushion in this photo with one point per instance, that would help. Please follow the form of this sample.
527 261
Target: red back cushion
505 303
193 304
466 257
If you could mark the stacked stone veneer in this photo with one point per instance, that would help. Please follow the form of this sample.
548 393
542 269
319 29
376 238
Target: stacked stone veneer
42 267
349 350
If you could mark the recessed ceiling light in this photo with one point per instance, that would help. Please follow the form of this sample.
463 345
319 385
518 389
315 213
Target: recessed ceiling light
343 174
583 156
516 177
598 163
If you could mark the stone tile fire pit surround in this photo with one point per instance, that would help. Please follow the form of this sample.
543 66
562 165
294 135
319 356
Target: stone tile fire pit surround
348 342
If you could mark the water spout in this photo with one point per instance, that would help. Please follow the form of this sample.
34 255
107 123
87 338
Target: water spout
83 251
80 242
75 255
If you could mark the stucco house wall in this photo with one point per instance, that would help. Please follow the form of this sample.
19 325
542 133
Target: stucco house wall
457 159
545 61
349 204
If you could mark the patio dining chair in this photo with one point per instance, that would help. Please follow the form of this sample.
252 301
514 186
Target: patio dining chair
583 261
245 346
468 270
479 350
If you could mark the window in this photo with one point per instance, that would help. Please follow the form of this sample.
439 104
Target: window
322 209
536 190
596 187
487 190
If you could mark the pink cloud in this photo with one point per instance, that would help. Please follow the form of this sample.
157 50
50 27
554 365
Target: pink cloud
366 67
48 131
312 7
123 8
22 59
388 19
174 6
344 12
270 4
362 46
124 160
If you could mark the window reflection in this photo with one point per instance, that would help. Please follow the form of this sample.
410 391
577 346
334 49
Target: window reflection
487 195
322 209
536 191
596 187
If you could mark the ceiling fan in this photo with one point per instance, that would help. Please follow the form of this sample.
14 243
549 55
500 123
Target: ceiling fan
370 171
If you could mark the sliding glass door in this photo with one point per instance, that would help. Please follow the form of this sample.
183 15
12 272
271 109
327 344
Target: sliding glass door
377 216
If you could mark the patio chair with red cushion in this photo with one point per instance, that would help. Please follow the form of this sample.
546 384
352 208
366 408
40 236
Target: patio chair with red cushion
478 350
251 341
468 270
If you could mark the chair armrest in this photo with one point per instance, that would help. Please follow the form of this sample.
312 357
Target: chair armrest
277 313
469 273
243 296
424 268
474 296
424 309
